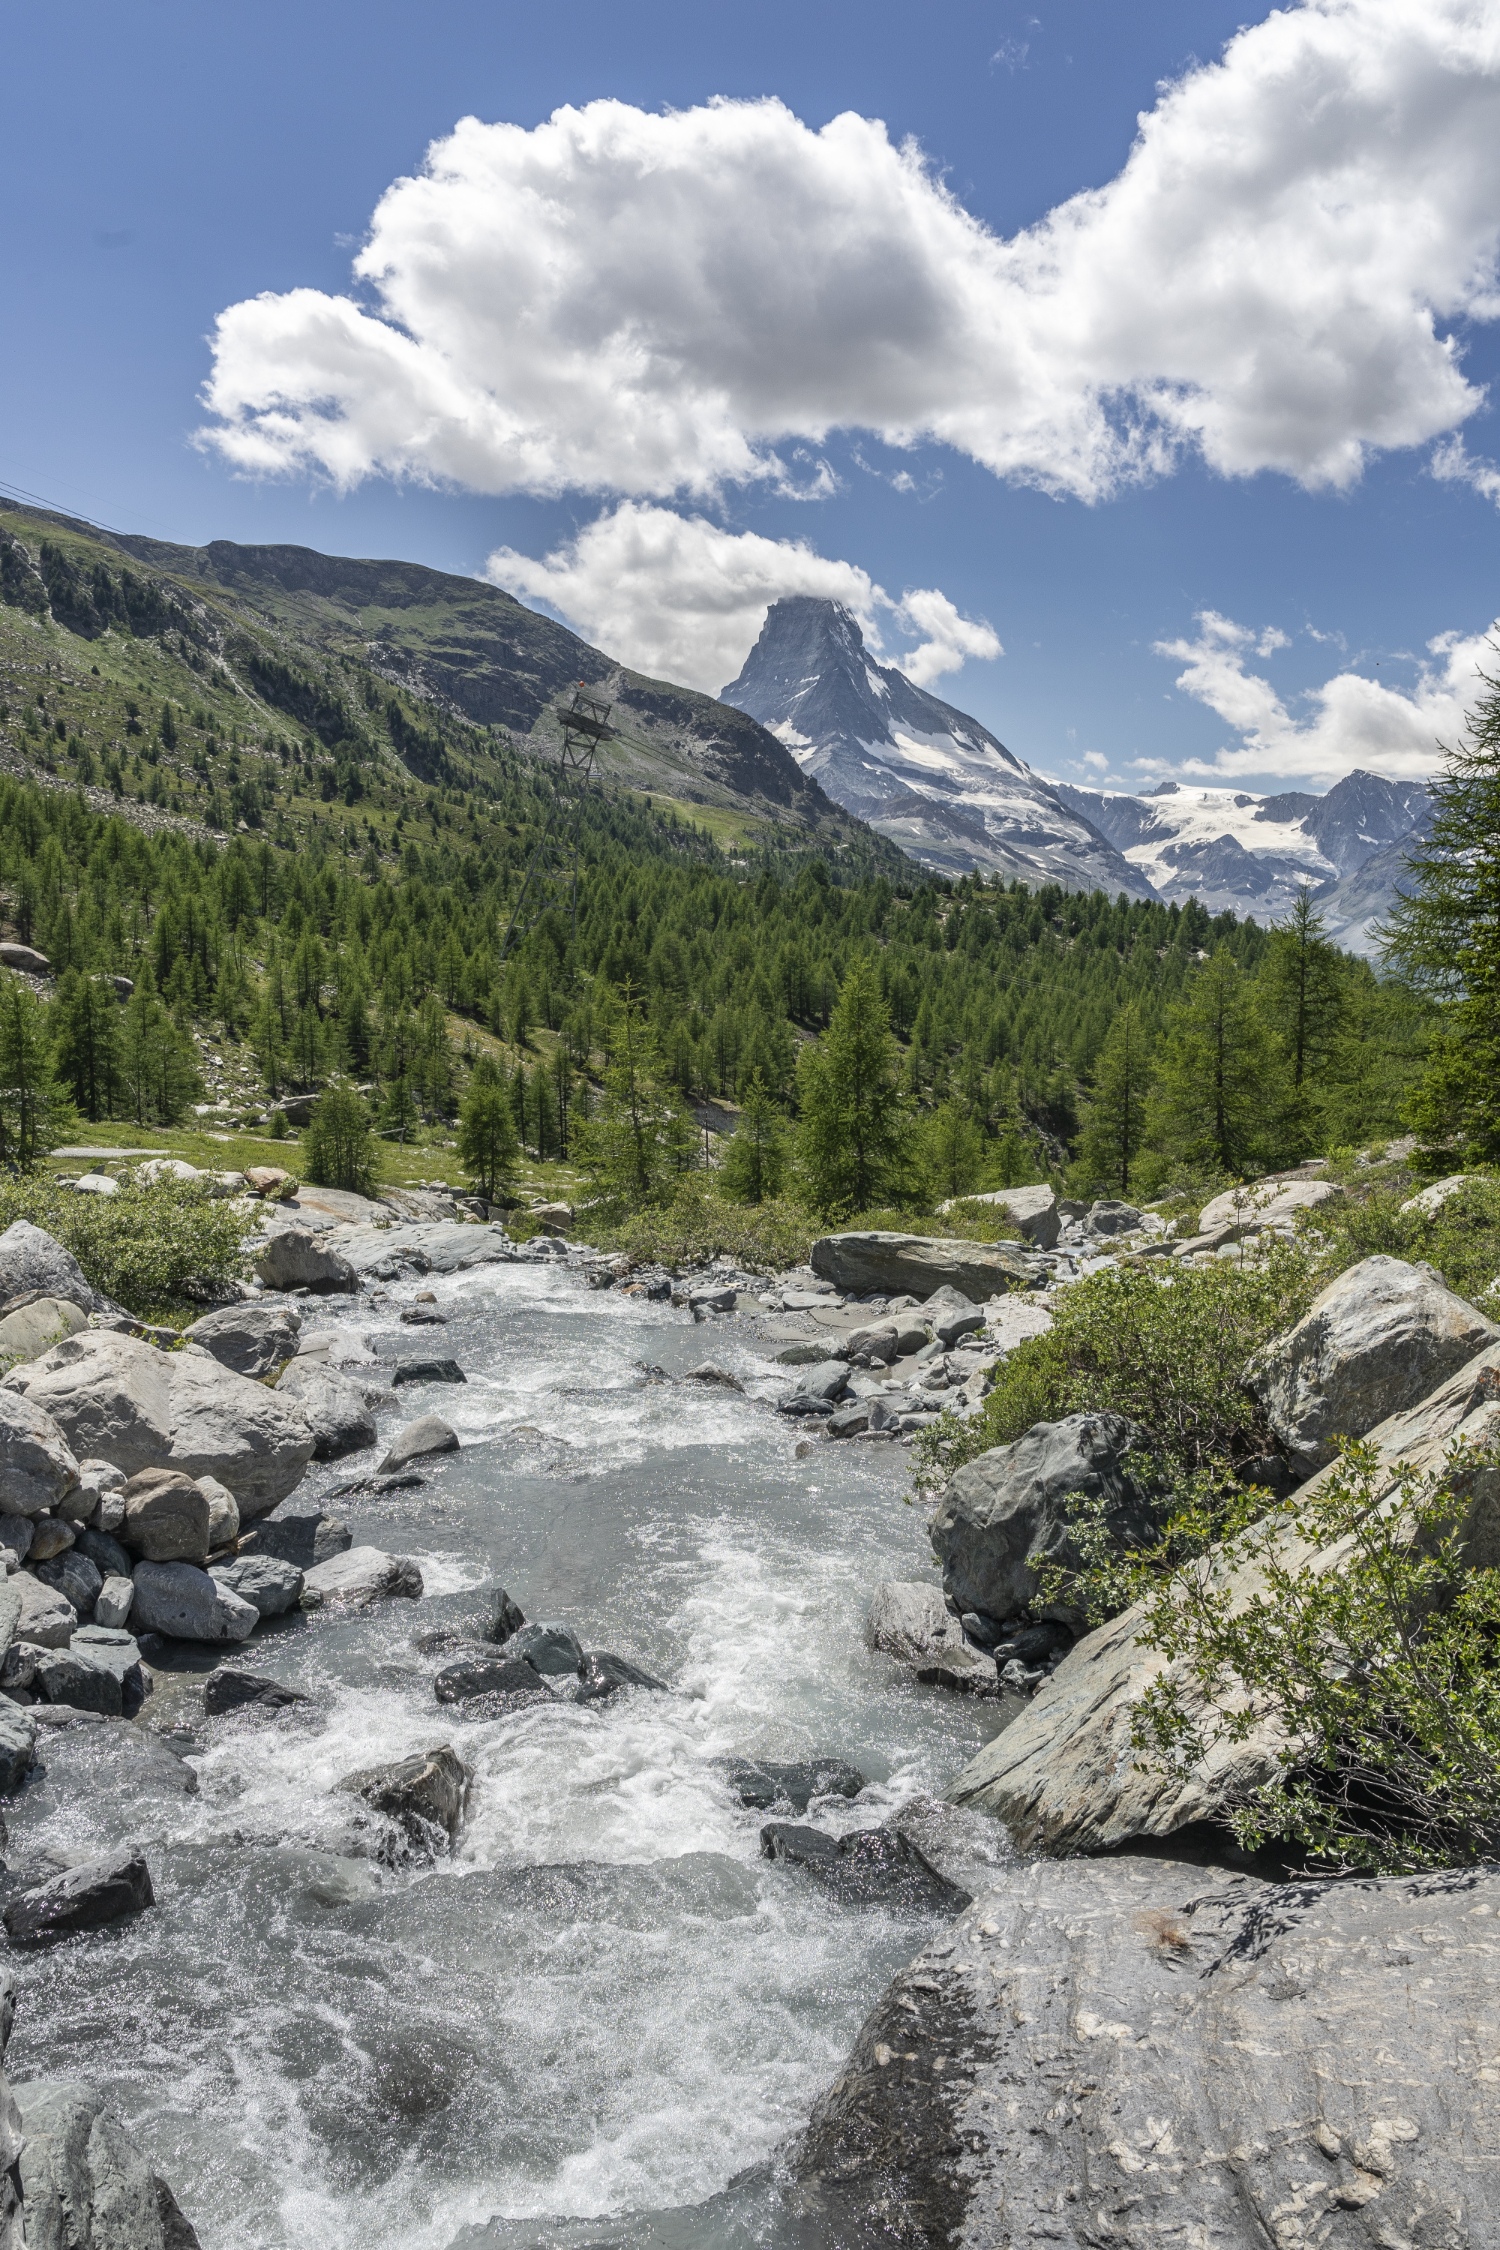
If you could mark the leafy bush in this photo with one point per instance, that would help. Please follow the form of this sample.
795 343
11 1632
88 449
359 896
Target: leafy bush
1461 1239
763 1237
143 1246
1165 1346
1379 1674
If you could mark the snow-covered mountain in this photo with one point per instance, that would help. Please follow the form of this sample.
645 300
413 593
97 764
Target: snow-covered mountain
1250 854
932 779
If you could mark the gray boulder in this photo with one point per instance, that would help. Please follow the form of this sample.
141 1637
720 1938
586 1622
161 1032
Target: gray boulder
1033 1210
86 1897
253 1340
335 1407
916 1264
38 1467
553 1650
33 1264
295 1259
104 1552
1066 1777
1013 1509
910 1621
270 1585
223 1514
1133 2052
74 1576
1377 1340
429 1434
44 1617
183 1602
484 1671
305 1537
17 1754
166 1517
115 1599
424 1794
870 1867
34 1328
761 1783
426 1371
817 1388
1110 1216
116 1397
364 1575
49 1536
86 2184
233 1688
102 1674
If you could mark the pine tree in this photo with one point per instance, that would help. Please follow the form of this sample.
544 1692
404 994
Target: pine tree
1114 1131
1445 936
86 1032
952 1150
854 1134
1218 1089
35 1112
755 1162
157 1066
399 1114
625 1143
1301 986
488 1148
339 1148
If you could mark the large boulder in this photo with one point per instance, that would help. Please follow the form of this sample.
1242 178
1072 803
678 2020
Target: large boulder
253 1340
1067 1777
86 2185
35 1326
186 1604
167 1517
910 1620
84 1897
1273 1205
38 1467
121 1399
917 1264
33 1263
1033 1210
1133 2052
334 1405
363 1575
1013 1509
270 1585
295 1259
44 1617
1377 1340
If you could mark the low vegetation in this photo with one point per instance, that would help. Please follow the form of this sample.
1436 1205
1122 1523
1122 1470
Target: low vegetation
147 1247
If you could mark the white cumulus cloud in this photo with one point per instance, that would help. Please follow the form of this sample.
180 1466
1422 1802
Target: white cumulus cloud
681 598
654 304
1350 721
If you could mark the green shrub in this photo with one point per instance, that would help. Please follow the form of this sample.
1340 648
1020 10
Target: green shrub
143 1246
1461 1239
697 1224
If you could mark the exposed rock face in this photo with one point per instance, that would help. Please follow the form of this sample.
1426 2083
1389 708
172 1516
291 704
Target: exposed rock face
187 1605
909 1619
253 1340
120 1399
917 1264
37 1465
335 1407
86 2184
32 1262
1133 2052
1065 1776
295 1259
1377 1340
1013 1509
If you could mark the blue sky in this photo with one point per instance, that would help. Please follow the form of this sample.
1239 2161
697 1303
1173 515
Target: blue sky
165 163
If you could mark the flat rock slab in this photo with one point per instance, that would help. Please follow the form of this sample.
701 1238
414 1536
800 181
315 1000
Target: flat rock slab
917 1264
1133 2052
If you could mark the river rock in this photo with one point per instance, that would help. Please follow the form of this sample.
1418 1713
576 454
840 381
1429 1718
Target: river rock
484 1672
16 1535
84 1898
849 1421
86 2184
553 1650
1012 1509
916 1264
183 1602
295 1259
85 1679
1032 1210
760 1783
271 1586
1273 1204
116 1397
601 1675
429 1434
74 1576
17 1751
167 1517
33 1264
233 1688
952 1323
49 1536
424 1794
44 1617
223 1514
38 1466
363 1575
909 1619
1021 2080
427 1371
334 1406
116 1596
35 1327
1066 1777
1377 1340
252 1340
305 1537
871 1867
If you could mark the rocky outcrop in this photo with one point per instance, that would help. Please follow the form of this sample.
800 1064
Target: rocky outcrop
917 1264
1013 1509
1134 2052
86 2184
117 1398
1066 1777
1377 1340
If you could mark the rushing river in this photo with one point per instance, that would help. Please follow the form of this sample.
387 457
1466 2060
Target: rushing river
606 2001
